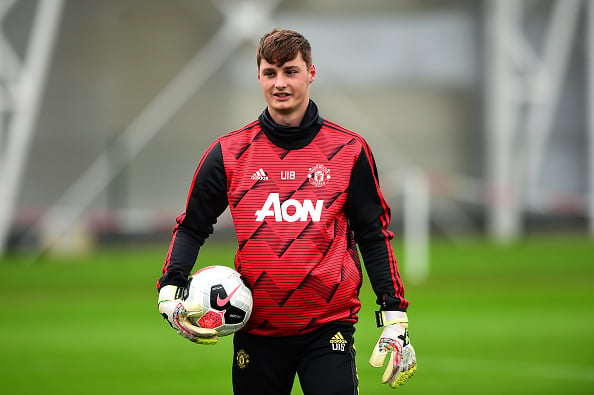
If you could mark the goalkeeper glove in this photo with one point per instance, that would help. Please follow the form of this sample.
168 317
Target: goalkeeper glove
394 340
172 308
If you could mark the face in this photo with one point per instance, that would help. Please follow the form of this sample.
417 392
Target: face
286 89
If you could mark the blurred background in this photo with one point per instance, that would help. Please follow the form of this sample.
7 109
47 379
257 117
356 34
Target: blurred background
479 114
478 110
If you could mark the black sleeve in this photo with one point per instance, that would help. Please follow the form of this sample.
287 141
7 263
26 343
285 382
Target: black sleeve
207 200
369 217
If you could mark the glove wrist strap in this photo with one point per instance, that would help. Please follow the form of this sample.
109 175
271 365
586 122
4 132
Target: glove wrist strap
168 292
385 318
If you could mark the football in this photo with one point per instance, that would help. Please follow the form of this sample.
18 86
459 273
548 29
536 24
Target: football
218 299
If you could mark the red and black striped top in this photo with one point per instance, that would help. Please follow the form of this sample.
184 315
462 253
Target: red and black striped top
301 199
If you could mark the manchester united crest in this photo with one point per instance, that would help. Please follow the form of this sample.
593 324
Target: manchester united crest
319 175
242 358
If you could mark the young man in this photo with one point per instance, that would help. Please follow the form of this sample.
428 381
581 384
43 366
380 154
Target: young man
303 192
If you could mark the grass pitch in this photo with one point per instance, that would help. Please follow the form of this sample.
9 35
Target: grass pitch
490 320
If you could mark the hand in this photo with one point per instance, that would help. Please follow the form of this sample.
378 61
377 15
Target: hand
172 308
394 340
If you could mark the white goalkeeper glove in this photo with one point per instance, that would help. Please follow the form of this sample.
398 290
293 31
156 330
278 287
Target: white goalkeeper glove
172 308
402 364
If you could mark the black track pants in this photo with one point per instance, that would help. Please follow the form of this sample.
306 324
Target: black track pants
324 361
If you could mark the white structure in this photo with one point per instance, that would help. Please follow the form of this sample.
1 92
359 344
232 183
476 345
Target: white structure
523 93
21 87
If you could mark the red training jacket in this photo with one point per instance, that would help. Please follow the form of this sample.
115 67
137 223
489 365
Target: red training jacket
302 199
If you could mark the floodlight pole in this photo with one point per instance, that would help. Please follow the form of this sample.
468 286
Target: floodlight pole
501 116
521 83
24 87
590 110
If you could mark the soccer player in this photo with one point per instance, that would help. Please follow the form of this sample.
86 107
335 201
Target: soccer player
304 196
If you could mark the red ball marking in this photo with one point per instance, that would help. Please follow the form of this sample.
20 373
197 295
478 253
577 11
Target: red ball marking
211 320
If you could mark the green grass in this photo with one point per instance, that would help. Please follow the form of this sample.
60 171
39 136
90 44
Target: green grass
490 320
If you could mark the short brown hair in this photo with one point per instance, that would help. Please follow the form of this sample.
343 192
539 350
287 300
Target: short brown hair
282 45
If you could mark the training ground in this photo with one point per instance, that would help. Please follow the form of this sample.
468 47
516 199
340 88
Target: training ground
489 320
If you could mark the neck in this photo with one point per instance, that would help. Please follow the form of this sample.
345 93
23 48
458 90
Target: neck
293 118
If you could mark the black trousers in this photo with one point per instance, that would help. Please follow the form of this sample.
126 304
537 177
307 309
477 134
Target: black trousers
324 361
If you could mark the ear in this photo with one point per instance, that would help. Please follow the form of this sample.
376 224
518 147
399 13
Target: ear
312 73
258 74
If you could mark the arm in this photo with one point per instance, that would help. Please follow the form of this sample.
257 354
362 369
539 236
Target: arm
369 217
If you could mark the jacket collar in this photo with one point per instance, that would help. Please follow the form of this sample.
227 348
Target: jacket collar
292 137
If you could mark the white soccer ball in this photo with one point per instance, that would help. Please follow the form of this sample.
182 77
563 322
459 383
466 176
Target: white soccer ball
218 299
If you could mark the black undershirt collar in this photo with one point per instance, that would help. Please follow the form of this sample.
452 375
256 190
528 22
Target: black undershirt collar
292 137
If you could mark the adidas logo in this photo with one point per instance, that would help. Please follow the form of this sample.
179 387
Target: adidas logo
259 175
338 342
